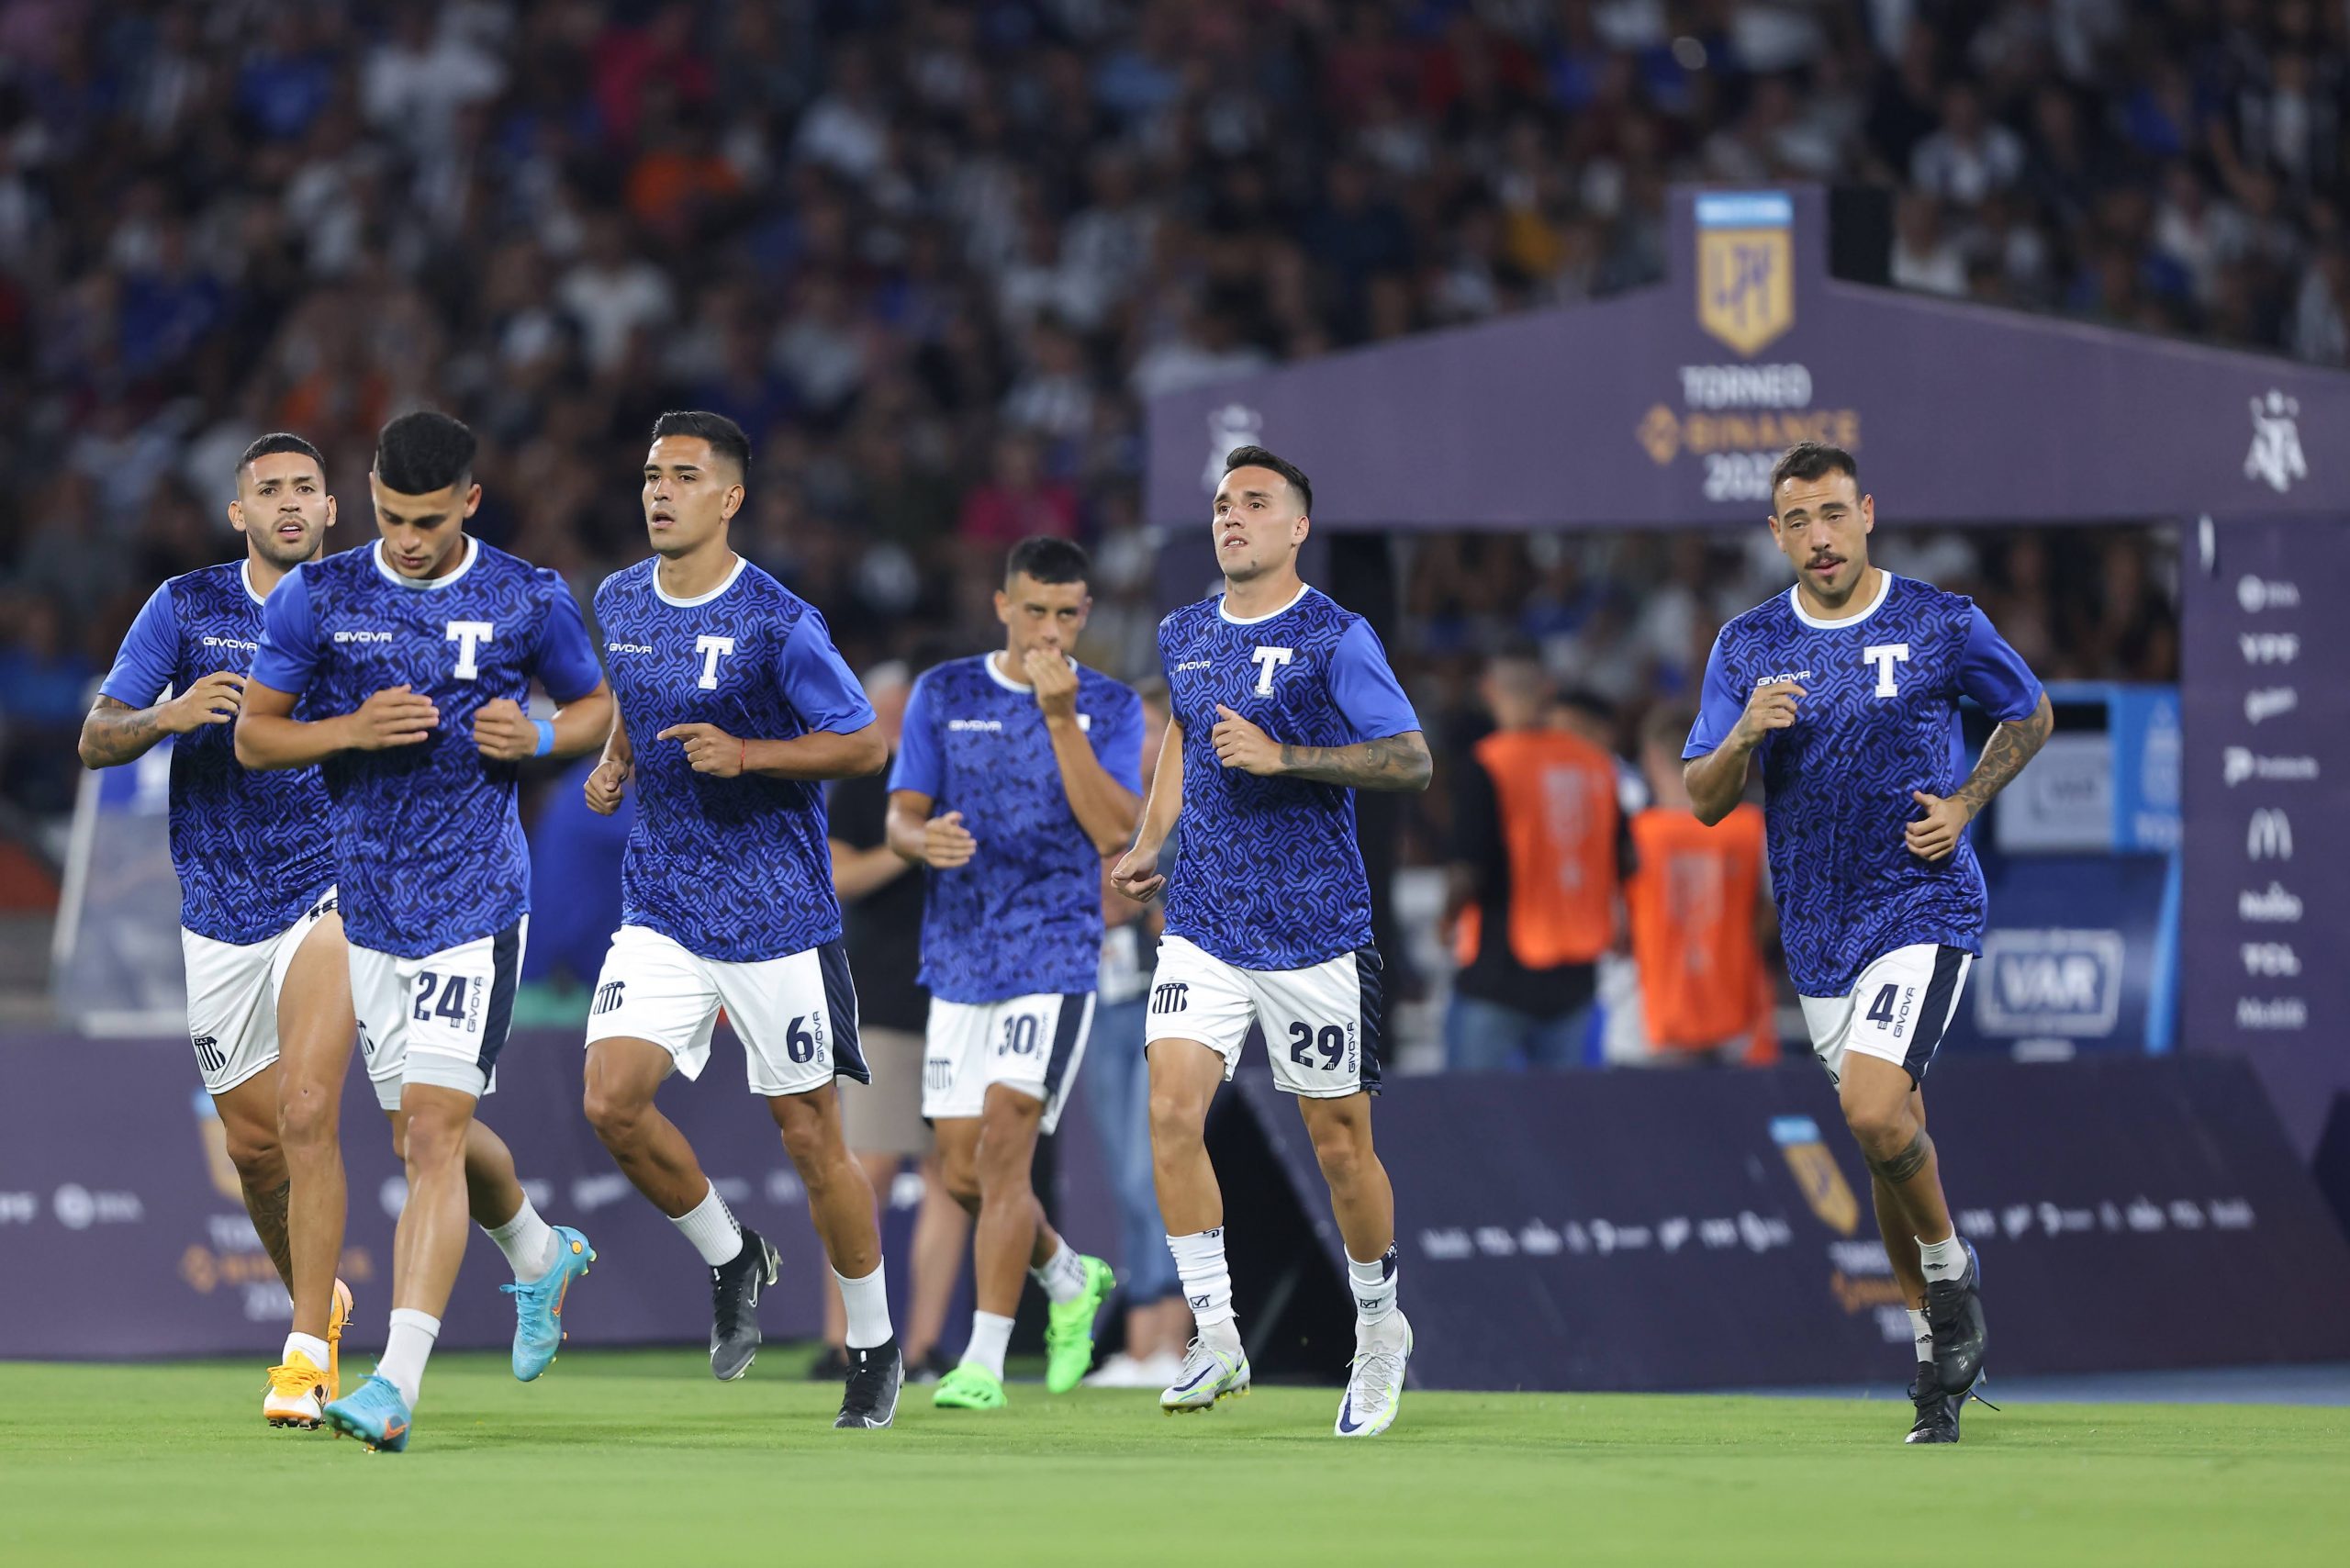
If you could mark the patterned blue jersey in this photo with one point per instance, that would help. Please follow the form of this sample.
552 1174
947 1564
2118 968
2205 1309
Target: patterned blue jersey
733 870
1025 916
252 849
1271 876
429 850
1879 718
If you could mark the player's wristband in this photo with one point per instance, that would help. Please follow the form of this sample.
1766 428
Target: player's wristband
546 737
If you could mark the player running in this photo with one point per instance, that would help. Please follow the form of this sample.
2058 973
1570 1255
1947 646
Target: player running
268 987
1268 913
1846 688
1017 771
735 707
416 656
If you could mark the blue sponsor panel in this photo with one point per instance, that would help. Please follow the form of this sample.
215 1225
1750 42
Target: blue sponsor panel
1712 1230
2072 959
133 1187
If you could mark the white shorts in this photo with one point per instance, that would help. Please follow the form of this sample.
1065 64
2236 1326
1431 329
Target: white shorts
1032 1043
1895 1012
441 1019
232 997
1321 1024
795 1015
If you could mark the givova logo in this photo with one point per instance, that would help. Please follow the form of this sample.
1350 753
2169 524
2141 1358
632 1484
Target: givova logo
2051 982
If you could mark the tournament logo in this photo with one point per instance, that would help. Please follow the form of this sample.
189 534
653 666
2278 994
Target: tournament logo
1746 254
2276 459
1817 1174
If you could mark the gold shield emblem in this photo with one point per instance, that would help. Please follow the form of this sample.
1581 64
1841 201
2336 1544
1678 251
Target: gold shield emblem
1746 254
1817 1174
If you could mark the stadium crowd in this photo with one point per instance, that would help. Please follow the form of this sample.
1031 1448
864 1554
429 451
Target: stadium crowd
935 255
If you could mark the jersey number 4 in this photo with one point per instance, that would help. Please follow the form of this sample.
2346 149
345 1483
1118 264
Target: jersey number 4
1881 1010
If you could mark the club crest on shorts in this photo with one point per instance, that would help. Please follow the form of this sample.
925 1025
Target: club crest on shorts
1817 1174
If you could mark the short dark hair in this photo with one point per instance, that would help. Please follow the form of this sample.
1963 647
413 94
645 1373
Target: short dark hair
1585 700
1049 560
725 437
1811 460
423 452
1258 457
276 442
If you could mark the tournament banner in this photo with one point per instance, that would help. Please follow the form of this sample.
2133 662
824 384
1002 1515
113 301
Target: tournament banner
2266 785
1752 341
123 1234
1690 1230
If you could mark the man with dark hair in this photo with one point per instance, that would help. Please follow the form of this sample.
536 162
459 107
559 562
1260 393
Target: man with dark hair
1018 771
1268 913
268 986
412 661
1846 689
735 708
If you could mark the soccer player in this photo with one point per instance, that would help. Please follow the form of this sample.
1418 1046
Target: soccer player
1846 689
416 656
268 986
1018 771
1284 706
735 707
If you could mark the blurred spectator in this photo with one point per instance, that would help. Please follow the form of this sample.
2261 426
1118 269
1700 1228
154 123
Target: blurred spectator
45 686
1701 914
1537 853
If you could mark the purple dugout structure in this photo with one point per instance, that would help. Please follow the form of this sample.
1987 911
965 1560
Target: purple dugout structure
1665 408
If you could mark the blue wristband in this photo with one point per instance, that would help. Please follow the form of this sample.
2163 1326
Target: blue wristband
546 737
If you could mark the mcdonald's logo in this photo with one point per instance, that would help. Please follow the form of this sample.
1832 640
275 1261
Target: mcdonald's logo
2268 835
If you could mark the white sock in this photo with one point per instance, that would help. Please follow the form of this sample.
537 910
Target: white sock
1062 1275
528 1242
1943 1259
1921 1334
310 1345
1375 1287
1207 1285
990 1334
406 1350
868 1301
711 1226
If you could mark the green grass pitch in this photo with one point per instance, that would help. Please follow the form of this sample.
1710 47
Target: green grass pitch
638 1459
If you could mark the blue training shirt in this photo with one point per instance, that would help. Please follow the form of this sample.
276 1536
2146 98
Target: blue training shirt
428 851
253 850
1879 718
733 870
1271 876
1025 915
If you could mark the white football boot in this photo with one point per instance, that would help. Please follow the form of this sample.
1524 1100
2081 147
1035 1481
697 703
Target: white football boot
1209 1375
1375 1380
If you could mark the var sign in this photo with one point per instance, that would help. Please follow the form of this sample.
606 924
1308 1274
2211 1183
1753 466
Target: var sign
2043 983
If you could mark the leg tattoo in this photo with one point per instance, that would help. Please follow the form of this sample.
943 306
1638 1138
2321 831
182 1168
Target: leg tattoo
267 1209
1909 1162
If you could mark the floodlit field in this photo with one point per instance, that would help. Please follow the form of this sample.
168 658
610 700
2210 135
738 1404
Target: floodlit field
638 1459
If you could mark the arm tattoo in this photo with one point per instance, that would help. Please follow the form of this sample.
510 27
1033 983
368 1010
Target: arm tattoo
2011 746
267 1209
1396 762
1909 1162
114 733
